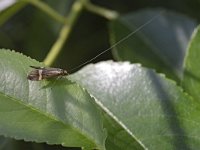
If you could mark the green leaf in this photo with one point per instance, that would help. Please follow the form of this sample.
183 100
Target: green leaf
160 44
151 109
55 112
191 78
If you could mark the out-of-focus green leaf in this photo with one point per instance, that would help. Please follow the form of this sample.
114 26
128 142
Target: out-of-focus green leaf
9 9
160 44
191 78
55 112
151 109
4 4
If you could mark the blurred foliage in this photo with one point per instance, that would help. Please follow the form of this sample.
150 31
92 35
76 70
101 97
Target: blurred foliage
33 32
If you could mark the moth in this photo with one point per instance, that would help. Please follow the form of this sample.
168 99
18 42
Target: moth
40 73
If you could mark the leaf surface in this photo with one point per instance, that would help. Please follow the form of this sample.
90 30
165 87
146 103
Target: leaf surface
55 111
150 108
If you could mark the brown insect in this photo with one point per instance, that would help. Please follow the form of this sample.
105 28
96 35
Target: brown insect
40 73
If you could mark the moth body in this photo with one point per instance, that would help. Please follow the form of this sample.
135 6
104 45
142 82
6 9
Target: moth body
40 73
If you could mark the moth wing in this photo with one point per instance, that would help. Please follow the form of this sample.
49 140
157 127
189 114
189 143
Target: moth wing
33 75
50 72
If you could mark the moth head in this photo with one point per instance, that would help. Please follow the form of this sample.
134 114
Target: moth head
64 72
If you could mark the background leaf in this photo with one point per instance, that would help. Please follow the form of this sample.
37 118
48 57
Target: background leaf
150 108
164 51
9 8
55 113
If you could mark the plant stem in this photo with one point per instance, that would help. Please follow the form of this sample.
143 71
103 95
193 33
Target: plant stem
64 33
108 14
44 7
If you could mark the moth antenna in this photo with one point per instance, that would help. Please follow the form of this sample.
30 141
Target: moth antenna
120 41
